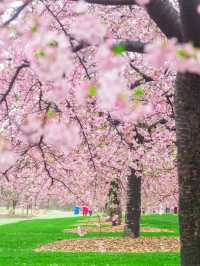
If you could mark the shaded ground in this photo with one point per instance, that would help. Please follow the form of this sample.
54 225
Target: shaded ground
112 244
115 244
88 228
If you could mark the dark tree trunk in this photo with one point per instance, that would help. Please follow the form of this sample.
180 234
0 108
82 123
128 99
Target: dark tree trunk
133 208
187 107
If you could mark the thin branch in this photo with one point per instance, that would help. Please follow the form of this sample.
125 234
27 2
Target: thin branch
83 133
69 38
12 82
111 2
47 170
114 125
132 46
16 14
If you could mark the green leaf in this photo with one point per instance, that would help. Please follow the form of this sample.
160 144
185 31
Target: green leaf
34 28
182 53
40 53
118 49
138 92
53 44
51 112
92 90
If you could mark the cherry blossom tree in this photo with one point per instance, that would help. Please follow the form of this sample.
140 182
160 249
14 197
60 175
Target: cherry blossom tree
57 54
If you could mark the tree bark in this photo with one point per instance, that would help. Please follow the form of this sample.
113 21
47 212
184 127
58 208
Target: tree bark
113 205
190 21
161 12
133 208
187 109
14 204
166 17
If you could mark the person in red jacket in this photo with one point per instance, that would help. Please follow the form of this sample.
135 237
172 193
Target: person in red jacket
85 210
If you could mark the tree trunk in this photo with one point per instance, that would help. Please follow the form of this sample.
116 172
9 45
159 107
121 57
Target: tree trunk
27 209
8 205
187 108
14 204
133 208
113 205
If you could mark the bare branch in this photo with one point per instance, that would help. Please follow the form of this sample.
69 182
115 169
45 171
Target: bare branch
12 82
16 14
47 170
83 133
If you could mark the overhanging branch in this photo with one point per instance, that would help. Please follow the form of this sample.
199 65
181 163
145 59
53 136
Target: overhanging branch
161 12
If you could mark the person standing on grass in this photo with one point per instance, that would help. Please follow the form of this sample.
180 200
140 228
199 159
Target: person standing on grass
76 210
90 211
85 210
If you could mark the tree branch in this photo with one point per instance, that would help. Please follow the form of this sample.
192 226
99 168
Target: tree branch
16 14
161 12
132 46
166 17
83 133
12 82
48 172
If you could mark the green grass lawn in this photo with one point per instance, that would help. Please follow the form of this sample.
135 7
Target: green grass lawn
18 240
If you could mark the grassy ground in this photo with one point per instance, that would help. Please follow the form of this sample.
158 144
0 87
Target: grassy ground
18 240
42 214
